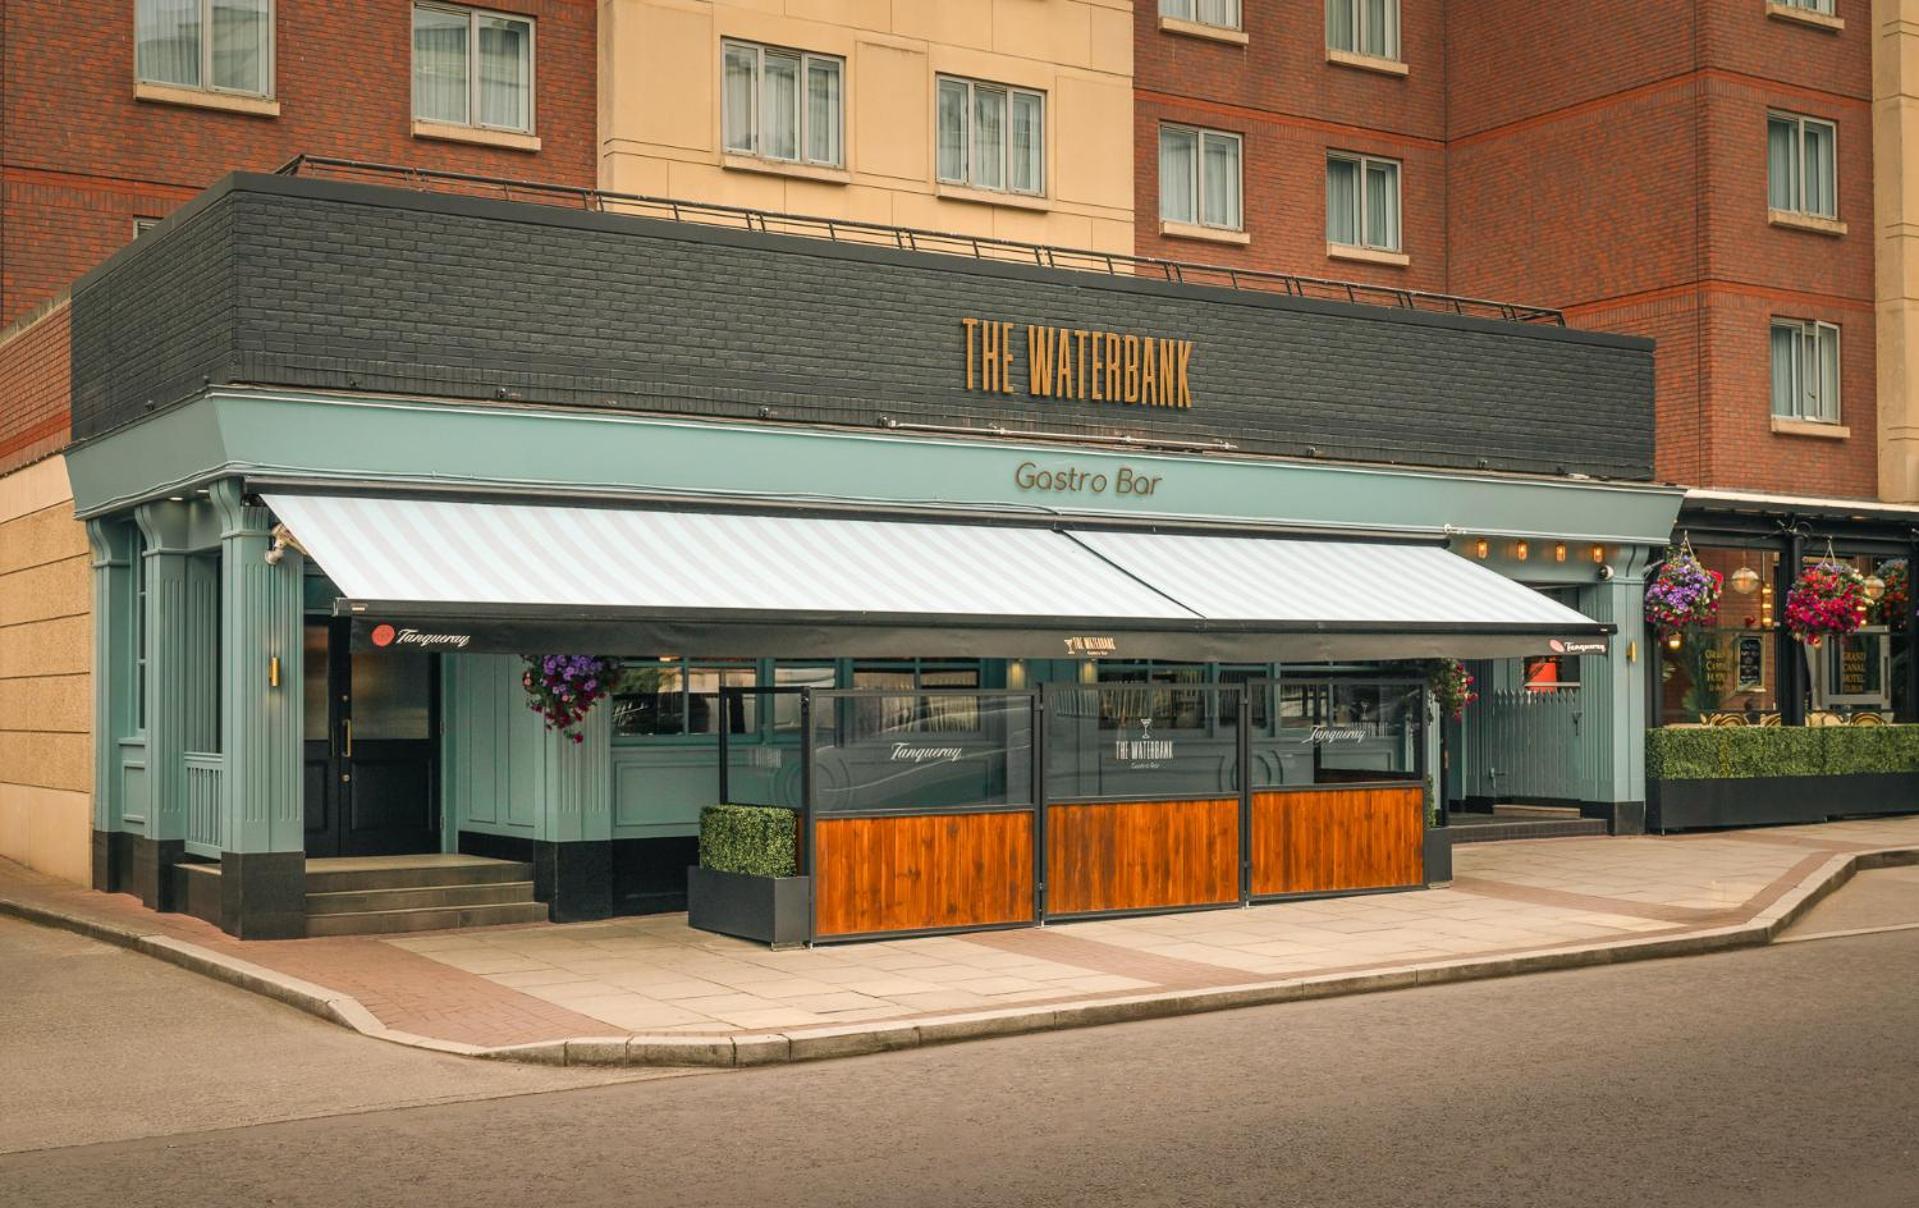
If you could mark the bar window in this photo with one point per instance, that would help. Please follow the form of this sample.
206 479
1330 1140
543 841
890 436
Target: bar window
213 45
1199 177
902 711
1362 202
991 136
472 68
671 697
783 104
1802 165
1221 13
1805 370
1363 27
1167 695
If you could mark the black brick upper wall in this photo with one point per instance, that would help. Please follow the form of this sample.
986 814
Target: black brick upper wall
290 282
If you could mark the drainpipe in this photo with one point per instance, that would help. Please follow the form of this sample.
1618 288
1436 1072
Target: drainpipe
1789 656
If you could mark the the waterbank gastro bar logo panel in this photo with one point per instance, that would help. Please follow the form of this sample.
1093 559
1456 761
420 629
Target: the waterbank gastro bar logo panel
1078 363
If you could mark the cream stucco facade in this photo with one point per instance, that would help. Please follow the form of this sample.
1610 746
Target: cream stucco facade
46 641
661 101
1895 149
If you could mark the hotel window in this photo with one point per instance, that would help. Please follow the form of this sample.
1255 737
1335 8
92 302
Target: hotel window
1221 13
782 104
1811 6
1362 202
472 68
1802 165
1805 370
1363 27
1199 177
142 225
991 136
213 45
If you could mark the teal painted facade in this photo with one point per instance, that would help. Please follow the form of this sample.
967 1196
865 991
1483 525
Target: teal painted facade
200 740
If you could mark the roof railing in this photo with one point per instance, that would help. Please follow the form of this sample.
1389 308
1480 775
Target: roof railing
911 239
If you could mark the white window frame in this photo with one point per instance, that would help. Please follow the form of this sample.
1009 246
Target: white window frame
1359 28
807 58
1197 185
206 83
1823 7
473 16
969 175
1799 123
1807 334
1189 10
142 225
1399 186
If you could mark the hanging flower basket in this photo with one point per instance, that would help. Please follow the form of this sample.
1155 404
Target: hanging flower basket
1827 600
1682 594
1452 687
565 687
1894 608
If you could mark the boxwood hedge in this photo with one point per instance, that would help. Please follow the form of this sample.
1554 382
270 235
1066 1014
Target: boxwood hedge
758 840
1745 752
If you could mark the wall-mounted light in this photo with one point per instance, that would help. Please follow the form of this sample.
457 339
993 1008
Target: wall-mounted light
1674 641
1559 551
1482 548
1632 652
273 672
1599 555
1522 551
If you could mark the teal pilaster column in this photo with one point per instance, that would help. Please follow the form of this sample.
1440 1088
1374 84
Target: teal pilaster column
166 526
577 828
1617 691
114 684
263 867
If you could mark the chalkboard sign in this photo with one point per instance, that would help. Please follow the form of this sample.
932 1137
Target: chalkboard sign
1752 663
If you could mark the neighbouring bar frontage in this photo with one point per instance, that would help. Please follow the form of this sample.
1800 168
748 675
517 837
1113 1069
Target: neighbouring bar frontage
1136 604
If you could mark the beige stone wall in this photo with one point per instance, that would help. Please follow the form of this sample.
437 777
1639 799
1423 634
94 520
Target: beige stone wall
660 108
1895 147
46 711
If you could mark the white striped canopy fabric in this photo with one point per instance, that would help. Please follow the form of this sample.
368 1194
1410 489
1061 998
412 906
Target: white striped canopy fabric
462 552
399 549
1351 582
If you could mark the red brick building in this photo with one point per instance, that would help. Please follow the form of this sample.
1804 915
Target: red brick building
1610 159
94 138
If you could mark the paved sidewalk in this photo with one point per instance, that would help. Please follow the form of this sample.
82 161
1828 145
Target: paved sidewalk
653 991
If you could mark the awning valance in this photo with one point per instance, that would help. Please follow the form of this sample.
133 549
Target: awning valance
476 575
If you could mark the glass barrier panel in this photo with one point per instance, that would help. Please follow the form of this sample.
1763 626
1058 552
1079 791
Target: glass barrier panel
1144 741
1340 732
921 750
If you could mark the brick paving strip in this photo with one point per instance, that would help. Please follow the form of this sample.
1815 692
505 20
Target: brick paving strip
652 991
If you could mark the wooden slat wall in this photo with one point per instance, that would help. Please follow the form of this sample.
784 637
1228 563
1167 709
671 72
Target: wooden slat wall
1141 855
922 871
1321 841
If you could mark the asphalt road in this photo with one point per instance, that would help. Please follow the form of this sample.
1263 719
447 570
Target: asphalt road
1786 1076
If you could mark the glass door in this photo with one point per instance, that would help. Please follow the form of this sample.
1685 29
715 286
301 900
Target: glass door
372 775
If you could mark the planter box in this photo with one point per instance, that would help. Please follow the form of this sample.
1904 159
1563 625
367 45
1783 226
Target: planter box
1439 855
1763 800
772 910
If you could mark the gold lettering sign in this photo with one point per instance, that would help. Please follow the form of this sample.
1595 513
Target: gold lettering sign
1072 363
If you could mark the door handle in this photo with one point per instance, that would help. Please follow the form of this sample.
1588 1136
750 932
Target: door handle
346 724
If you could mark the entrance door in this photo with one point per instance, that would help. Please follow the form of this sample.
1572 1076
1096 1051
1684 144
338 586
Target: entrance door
372 783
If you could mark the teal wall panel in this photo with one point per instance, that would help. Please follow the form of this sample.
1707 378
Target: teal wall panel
494 749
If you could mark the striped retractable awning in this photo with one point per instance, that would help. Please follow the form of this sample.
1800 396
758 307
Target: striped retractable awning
1334 582
624 580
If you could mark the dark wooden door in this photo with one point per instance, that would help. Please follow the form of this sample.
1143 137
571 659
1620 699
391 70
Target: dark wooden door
372 783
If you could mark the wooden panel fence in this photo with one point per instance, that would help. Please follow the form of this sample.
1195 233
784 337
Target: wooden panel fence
921 872
1141 855
1332 840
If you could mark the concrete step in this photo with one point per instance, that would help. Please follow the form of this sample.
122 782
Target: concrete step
361 874
1500 829
383 922
422 897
